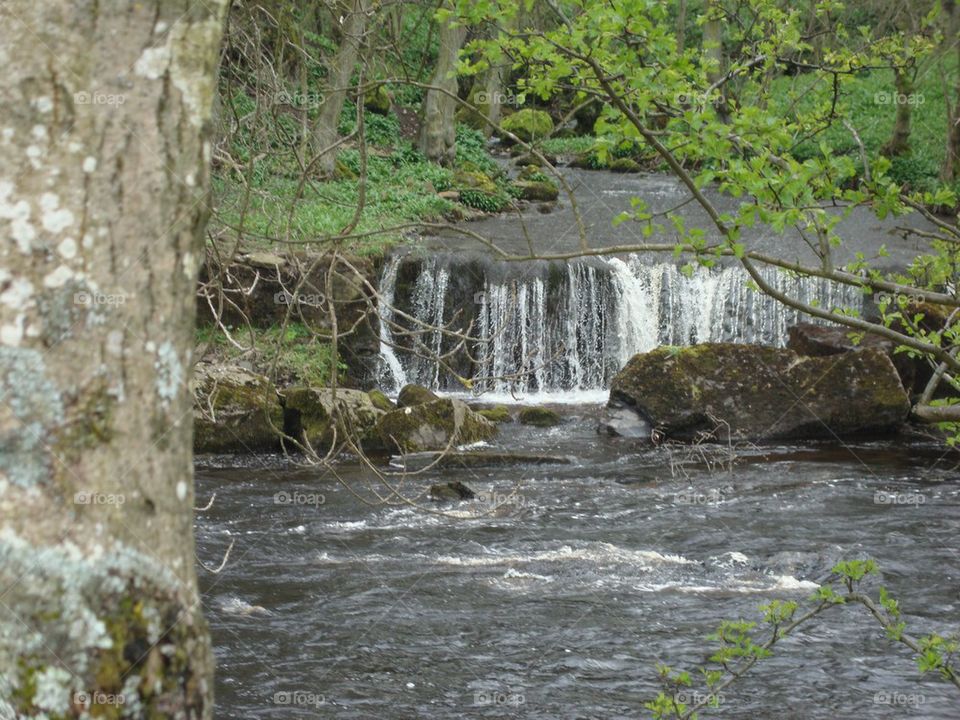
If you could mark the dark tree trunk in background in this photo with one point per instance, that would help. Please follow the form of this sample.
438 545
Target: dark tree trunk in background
103 187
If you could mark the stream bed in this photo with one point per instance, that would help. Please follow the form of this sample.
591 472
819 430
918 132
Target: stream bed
556 591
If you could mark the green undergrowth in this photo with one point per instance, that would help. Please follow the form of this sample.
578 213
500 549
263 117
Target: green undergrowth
292 355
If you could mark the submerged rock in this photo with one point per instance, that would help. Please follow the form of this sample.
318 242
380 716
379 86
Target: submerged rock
540 416
747 392
316 414
621 421
235 410
411 395
432 426
452 490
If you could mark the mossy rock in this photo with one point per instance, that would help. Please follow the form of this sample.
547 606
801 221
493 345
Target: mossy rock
540 416
624 165
588 160
536 190
721 391
235 410
381 401
529 124
315 413
474 180
378 100
497 414
432 426
415 395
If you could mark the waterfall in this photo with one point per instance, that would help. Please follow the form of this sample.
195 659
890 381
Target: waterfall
392 375
567 327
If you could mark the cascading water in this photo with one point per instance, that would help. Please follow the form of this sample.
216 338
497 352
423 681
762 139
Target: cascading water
562 327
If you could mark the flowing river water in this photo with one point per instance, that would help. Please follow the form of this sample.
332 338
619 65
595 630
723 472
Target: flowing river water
556 592
560 603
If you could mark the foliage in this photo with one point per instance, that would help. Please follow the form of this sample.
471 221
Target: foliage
739 645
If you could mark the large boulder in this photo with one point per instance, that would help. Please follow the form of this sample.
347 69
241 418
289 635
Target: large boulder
432 426
824 340
748 392
235 410
320 416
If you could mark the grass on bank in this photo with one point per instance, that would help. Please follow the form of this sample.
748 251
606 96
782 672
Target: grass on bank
290 356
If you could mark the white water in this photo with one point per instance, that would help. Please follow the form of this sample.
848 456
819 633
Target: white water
562 331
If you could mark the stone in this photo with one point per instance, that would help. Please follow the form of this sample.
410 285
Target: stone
539 416
624 165
432 426
528 124
746 392
536 190
415 395
377 100
320 417
381 401
825 340
621 421
235 411
452 490
497 414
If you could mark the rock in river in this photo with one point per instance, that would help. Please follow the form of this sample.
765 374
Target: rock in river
749 392
235 410
432 426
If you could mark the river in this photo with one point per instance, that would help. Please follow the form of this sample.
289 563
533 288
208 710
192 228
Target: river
560 603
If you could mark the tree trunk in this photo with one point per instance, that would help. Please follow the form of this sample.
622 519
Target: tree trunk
713 51
341 71
899 143
103 189
682 26
438 135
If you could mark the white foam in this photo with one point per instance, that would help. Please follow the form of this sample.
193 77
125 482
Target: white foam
598 553
237 606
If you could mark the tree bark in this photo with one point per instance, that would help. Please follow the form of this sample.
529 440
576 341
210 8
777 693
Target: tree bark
103 188
899 143
341 71
438 135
